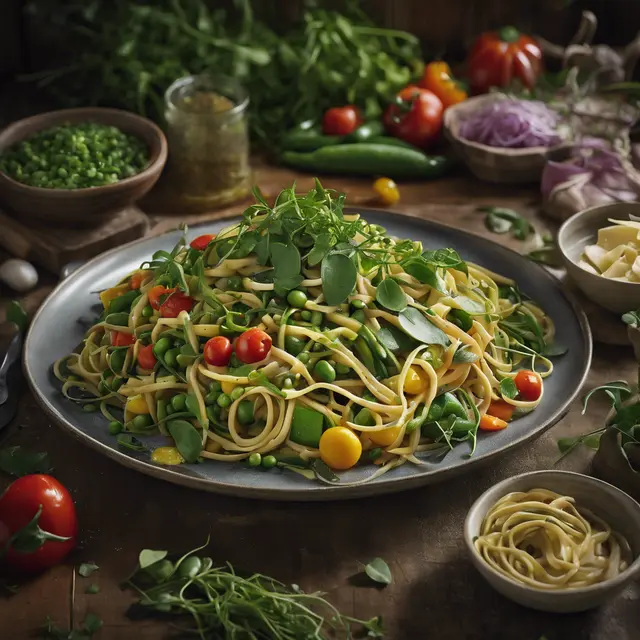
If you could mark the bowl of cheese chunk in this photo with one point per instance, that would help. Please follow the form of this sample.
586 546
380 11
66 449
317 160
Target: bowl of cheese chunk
600 247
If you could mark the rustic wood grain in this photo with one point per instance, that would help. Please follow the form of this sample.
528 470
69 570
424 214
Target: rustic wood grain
436 593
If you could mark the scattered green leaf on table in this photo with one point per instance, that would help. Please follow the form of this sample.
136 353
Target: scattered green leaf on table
632 319
501 220
17 315
390 295
92 589
149 556
17 461
378 570
87 568
90 626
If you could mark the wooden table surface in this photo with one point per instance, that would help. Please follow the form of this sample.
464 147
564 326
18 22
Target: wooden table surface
436 593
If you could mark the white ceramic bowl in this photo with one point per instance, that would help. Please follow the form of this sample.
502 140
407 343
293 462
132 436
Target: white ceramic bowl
581 230
615 507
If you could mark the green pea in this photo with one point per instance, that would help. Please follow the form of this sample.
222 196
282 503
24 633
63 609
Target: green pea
317 318
142 421
223 400
342 369
234 283
215 386
293 345
324 371
161 571
255 459
245 412
306 315
287 383
304 357
237 393
268 462
147 311
374 454
161 347
211 397
189 567
90 408
179 402
171 357
318 347
115 427
297 298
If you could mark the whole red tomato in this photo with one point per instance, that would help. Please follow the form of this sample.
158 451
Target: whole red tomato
529 384
217 351
341 121
498 57
252 346
415 117
176 303
37 542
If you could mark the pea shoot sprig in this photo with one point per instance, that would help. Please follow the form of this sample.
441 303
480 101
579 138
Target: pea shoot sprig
217 601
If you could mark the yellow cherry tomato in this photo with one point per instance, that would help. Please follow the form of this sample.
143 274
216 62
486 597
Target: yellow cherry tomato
415 382
387 190
137 405
384 438
340 448
227 387
111 294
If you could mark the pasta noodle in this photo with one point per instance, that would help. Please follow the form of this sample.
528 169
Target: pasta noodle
541 539
438 330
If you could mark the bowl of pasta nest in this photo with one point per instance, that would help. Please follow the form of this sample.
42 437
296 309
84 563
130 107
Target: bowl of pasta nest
555 540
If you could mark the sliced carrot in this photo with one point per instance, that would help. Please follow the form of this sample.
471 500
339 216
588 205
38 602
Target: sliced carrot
501 409
491 423
136 279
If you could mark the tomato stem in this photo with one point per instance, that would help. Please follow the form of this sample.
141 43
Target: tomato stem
31 537
509 34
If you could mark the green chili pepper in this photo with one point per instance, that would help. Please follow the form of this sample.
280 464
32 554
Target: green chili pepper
364 353
374 345
369 159
394 142
307 141
161 409
418 420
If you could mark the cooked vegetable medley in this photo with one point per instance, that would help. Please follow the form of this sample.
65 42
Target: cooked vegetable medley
75 156
306 338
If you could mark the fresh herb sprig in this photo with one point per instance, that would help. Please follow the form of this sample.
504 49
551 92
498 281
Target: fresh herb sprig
217 601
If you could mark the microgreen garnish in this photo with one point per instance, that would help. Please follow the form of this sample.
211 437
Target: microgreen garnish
508 388
92 624
216 601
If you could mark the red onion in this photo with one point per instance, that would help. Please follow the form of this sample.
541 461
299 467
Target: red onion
512 123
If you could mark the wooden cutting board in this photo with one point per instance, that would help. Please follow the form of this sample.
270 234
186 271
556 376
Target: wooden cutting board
52 247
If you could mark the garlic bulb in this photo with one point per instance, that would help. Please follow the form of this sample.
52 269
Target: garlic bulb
20 275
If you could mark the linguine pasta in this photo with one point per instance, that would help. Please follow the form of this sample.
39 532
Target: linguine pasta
541 539
416 361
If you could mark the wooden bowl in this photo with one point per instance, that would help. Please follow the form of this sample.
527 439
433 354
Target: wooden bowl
581 230
492 164
89 206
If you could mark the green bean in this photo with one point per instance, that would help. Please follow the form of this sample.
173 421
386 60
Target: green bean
245 412
237 393
179 402
161 347
171 357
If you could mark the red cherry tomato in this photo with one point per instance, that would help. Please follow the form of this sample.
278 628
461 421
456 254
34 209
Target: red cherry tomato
202 242
253 345
176 303
529 385
122 339
416 118
498 57
19 505
146 359
217 351
341 121
156 293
